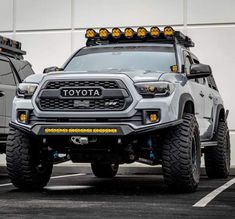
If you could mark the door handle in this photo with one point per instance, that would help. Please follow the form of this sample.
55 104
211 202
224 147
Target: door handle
2 93
202 94
211 96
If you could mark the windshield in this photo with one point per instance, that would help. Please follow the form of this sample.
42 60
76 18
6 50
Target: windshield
116 59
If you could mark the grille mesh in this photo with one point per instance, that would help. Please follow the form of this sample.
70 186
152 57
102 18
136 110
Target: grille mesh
104 84
94 104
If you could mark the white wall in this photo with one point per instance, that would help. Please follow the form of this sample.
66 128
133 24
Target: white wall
51 30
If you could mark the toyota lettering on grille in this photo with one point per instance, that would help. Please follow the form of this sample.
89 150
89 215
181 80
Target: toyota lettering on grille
81 92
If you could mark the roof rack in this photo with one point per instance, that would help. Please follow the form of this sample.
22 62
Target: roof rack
155 35
11 48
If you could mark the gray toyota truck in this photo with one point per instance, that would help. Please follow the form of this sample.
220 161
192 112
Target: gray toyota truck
127 96
13 70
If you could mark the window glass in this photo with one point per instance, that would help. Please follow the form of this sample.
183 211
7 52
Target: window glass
6 75
23 68
200 80
211 83
25 71
195 61
135 59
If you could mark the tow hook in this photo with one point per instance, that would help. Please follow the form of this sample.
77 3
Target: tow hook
78 140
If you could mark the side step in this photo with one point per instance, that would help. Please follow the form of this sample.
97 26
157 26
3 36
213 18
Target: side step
3 141
208 144
2 147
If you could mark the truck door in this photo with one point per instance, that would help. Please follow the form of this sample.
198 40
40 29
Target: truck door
198 94
8 89
211 96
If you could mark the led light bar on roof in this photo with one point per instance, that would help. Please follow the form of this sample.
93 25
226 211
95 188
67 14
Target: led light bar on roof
129 35
116 33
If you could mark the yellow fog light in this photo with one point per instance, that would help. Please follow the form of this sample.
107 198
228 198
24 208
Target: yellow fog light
22 117
155 32
116 33
168 31
153 117
103 33
129 33
90 33
142 32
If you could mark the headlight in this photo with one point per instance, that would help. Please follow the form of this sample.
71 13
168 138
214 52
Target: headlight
155 89
26 90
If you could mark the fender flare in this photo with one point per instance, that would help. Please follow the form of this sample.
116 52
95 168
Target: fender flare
218 110
182 101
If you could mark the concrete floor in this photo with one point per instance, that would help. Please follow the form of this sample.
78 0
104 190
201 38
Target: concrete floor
129 195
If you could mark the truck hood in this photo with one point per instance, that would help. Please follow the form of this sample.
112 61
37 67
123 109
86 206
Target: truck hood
147 77
134 76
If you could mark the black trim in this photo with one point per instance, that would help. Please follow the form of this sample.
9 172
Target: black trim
123 129
219 108
206 117
136 119
21 128
183 99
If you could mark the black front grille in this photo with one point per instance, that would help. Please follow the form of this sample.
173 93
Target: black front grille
94 104
104 84
105 103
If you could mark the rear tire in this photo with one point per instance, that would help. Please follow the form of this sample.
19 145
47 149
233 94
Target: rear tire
217 158
181 156
28 167
104 170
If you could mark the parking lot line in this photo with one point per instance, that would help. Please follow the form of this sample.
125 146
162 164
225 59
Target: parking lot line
53 177
208 198
6 184
69 175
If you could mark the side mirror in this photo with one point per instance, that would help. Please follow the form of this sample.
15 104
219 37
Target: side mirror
199 71
51 69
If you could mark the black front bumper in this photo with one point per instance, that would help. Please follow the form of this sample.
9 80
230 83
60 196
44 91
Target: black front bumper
66 129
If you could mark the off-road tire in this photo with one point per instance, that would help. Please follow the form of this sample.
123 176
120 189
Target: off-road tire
181 156
26 169
104 170
217 158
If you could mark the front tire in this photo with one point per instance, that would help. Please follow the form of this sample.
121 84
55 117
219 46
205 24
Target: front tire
217 158
104 170
181 156
28 167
